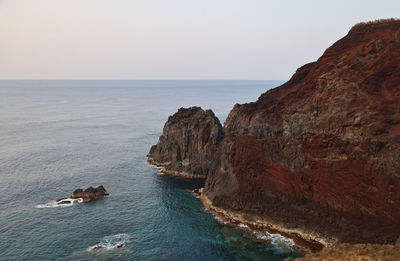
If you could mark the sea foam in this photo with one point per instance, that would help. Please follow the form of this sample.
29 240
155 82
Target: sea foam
55 204
111 242
243 226
275 239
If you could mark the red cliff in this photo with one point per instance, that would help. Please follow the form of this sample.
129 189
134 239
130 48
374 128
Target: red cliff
319 156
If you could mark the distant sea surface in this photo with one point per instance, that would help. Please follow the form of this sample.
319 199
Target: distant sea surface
57 136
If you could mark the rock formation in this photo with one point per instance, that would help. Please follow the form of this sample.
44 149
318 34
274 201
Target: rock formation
189 137
90 193
356 252
320 153
317 157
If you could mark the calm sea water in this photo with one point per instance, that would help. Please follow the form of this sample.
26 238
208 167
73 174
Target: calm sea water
56 136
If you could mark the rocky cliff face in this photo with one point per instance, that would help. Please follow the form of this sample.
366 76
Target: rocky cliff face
317 156
189 138
321 152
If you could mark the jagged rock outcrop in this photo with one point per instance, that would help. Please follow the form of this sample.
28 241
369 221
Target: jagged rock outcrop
90 193
189 138
317 157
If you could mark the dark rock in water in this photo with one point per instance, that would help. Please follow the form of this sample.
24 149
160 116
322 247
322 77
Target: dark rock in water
90 193
100 190
63 201
190 138
197 192
78 192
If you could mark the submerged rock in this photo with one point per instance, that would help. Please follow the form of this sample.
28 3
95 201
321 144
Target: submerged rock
90 193
63 201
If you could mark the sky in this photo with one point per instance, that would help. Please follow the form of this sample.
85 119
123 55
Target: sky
173 39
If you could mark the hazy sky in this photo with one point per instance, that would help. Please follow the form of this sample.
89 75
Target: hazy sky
173 39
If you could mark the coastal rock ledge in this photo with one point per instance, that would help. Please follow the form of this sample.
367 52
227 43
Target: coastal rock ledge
356 252
317 157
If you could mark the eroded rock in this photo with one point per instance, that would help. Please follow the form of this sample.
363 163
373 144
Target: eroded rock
90 193
190 138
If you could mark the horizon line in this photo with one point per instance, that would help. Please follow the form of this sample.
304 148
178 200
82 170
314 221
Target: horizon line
94 79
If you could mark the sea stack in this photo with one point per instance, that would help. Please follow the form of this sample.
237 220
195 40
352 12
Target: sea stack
189 138
317 157
90 193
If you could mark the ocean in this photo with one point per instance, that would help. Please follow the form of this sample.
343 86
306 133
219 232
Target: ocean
57 136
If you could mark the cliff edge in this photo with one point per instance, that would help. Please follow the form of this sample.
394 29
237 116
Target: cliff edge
316 158
319 154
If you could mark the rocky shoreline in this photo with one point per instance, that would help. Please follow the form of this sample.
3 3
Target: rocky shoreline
155 163
308 242
353 252
180 174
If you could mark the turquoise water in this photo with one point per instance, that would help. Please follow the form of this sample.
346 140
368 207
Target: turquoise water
56 136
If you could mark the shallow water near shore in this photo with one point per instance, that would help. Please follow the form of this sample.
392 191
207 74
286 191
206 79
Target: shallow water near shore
57 136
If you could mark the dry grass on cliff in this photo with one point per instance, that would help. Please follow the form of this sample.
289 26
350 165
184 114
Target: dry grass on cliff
371 25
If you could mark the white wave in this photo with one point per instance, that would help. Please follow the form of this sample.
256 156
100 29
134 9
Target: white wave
65 202
157 167
243 226
275 239
220 219
111 242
